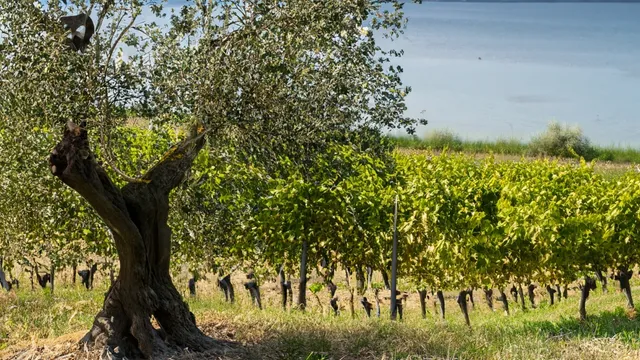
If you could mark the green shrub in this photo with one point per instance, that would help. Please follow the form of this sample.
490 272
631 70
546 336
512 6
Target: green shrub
441 139
562 141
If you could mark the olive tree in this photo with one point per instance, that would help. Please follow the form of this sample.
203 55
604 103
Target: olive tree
272 78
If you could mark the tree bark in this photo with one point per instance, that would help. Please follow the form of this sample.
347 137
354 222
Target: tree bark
136 215
440 296
302 289
559 292
112 277
589 284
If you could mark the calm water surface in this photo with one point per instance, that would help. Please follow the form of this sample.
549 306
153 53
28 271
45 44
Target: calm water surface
575 63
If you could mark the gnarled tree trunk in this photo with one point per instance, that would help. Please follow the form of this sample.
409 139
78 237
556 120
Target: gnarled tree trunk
137 216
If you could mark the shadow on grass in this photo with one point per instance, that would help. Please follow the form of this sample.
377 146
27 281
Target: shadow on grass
374 340
607 324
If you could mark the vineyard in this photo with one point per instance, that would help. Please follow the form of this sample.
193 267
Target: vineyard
466 226
463 223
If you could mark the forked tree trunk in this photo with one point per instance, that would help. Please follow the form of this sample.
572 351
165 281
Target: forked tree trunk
136 215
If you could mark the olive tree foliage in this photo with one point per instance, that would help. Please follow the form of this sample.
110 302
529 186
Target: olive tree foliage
43 84
278 77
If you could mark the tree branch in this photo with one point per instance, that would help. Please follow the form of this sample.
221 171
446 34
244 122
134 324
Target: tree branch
170 170
72 161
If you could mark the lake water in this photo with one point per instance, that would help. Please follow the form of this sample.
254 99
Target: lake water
575 63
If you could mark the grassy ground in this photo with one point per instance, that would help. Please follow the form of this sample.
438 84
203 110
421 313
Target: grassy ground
38 323
516 147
